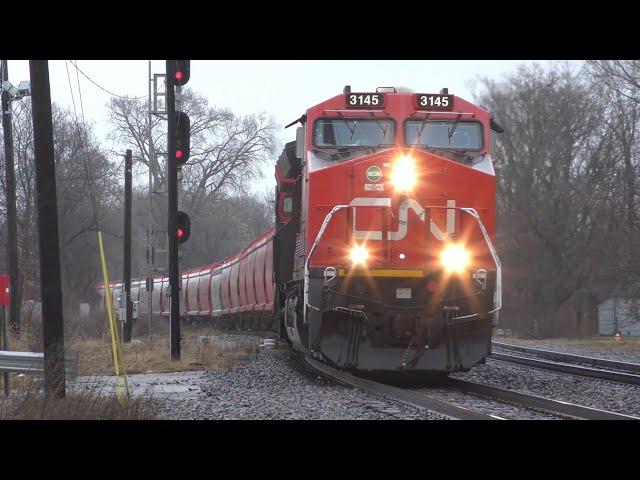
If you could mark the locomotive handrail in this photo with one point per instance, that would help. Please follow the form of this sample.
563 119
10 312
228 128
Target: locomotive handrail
492 250
496 260
326 221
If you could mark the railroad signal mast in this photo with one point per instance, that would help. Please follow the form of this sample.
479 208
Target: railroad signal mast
178 142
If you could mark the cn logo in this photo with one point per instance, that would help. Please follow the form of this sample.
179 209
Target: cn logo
403 215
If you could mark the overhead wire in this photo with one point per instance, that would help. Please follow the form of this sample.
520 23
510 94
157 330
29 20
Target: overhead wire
118 357
82 150
100 86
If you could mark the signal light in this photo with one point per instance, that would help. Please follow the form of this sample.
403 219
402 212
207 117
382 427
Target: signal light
183 138
181 72
183 226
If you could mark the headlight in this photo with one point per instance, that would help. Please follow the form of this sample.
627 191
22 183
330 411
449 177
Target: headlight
358 255
403 174
455 258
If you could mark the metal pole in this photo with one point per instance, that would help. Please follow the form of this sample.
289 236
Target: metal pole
12 231
50 287
5 346
151 160
172 186
128 322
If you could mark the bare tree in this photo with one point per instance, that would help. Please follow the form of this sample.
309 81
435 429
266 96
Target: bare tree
621 76
554 165
226 150
74 144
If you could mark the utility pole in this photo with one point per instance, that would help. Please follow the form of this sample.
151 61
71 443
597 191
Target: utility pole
151 188
172 187
128 322
12 231
50 285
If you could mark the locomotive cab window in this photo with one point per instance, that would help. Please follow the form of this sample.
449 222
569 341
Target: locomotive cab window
346 135
444 134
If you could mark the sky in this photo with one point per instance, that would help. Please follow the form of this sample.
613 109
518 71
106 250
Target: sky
282 88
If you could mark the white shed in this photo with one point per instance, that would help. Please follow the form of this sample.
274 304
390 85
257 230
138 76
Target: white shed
619 314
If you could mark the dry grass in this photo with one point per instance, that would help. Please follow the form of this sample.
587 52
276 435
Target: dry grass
31 404
144 355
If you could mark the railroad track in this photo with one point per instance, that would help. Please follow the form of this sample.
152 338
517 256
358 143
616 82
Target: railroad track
403 395
421 398
599 368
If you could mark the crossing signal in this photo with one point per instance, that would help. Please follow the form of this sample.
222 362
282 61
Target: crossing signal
183 226
181 72
183 138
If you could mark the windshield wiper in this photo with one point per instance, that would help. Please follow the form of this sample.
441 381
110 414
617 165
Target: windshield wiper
453 127
447 150
347 150
423 125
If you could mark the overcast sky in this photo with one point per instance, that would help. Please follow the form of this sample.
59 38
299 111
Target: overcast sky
284 89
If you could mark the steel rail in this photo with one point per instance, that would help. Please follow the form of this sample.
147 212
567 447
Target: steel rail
598 373
405 396
527 400
570 357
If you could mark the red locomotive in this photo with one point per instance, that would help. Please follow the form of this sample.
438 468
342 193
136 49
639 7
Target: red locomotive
382 256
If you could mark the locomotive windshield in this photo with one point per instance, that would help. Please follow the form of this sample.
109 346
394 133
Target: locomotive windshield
356 132
444 134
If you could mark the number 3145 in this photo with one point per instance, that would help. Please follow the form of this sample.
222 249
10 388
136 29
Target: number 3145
434 101
364 100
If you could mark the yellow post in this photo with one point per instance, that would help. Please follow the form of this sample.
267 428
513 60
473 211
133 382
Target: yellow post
118 358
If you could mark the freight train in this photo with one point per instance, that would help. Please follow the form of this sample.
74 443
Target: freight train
381 257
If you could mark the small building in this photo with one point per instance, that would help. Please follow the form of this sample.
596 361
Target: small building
619 314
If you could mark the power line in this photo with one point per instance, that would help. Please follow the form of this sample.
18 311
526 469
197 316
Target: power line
82 150
101 87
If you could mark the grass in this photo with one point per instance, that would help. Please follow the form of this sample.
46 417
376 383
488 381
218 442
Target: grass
145 355
29 403
142 355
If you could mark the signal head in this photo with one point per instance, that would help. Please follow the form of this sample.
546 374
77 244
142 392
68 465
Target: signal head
183 138
183 226
181 72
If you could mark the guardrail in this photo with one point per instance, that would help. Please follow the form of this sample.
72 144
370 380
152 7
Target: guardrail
33 362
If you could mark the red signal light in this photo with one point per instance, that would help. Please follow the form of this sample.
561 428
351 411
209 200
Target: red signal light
179 154
183 226
180 71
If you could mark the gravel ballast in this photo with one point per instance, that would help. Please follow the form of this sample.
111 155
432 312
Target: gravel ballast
273 384
627 350
589 392
273 387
